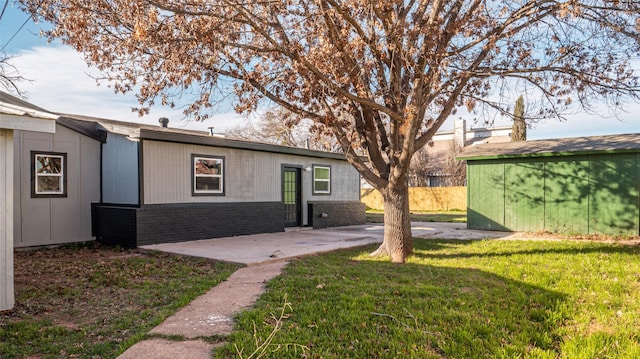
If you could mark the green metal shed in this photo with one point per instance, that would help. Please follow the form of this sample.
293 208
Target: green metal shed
572 185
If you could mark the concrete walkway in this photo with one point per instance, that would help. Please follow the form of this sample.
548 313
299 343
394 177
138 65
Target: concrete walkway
210 315
264 255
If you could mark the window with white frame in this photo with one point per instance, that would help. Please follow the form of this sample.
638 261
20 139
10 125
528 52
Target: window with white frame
49 170
208 175
321 179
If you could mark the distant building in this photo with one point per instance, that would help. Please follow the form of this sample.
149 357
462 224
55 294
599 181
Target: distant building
436 166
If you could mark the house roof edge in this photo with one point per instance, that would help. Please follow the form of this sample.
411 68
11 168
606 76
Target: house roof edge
622 143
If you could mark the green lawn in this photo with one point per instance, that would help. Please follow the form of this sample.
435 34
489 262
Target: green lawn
453 299
375 216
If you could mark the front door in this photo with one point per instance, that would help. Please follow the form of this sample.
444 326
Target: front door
291 196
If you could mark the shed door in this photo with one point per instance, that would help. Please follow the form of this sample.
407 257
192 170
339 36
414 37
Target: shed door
291 196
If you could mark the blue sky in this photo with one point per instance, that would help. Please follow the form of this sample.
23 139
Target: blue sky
60 81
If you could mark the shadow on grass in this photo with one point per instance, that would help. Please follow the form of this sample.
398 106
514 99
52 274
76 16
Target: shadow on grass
443 244
360 308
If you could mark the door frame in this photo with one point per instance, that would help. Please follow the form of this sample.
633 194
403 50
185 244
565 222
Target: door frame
297 169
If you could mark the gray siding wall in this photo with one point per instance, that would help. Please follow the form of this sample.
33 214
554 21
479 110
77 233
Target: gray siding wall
6 219
250 176
120 170
47 221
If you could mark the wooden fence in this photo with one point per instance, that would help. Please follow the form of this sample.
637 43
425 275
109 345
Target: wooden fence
422 198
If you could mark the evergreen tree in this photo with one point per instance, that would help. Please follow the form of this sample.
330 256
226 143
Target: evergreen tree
519 132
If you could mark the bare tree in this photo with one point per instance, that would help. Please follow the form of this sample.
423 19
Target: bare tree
419 169
9 76
381 76
456 170
272 127
281 127
432 167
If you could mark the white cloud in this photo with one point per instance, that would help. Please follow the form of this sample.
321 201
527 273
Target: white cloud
61 82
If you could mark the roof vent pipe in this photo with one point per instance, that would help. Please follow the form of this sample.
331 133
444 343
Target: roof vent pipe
164 121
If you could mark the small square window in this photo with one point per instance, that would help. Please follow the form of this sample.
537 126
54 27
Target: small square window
49 174
321 180
208 175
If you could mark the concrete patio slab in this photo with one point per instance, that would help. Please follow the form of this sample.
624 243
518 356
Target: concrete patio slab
264 248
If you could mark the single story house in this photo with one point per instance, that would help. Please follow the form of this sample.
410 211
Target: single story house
588 185
130 184
15 116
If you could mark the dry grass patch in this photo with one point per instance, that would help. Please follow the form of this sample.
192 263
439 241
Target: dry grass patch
90 301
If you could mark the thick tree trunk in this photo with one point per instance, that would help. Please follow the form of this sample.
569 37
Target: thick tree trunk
398 242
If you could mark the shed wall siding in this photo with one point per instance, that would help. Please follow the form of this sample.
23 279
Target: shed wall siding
120 170
249 176
47 221
6 220
524 195
567 195
596 194
36 213
613 195
486 206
